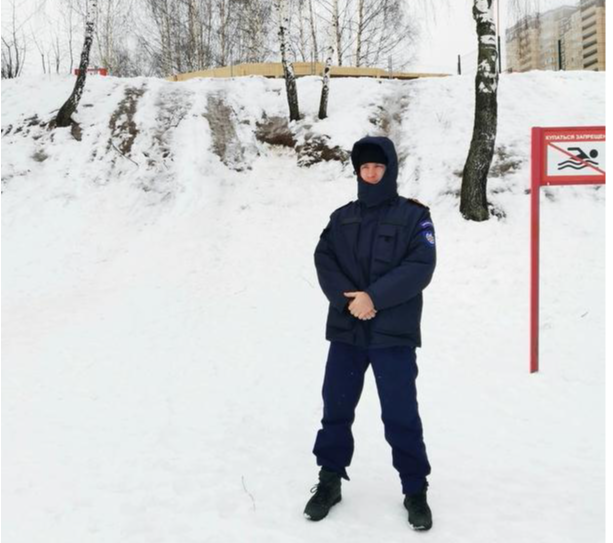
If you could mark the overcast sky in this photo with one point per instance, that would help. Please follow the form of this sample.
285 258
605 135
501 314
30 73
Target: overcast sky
448 30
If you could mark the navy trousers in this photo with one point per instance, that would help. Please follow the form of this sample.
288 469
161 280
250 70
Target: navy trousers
395 370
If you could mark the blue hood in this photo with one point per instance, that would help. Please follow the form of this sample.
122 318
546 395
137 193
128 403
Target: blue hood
386 189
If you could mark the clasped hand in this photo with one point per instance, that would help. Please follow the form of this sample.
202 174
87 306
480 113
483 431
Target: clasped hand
361 306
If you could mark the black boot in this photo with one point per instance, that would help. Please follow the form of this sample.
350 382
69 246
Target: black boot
420 516
327 494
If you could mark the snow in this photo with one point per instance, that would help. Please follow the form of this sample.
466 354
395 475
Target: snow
164 330
484 11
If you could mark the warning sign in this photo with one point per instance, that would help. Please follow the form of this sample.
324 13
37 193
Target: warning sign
573 155
560 156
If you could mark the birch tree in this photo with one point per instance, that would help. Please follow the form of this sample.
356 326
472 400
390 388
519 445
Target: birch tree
473 197
14 46
313 33
325 87
473 194
288 70
64 116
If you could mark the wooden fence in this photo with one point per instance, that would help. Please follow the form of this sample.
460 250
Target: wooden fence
275 69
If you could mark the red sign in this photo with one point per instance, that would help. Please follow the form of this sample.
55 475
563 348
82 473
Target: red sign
93 71
560 156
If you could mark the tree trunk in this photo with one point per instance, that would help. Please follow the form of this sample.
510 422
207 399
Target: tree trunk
358 50
222 31
64 117
167 64
337 31
191 36
288 70
313 34
325 87
12 67
301 32
473 199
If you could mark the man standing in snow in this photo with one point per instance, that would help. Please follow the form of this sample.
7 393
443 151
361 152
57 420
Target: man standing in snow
373 260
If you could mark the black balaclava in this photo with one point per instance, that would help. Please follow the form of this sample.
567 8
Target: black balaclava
376 149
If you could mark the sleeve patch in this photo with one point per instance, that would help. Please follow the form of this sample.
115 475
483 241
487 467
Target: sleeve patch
425 224
429 236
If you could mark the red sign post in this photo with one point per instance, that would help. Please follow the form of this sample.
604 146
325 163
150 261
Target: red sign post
560 156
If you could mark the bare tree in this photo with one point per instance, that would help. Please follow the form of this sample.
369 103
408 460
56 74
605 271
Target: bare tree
388 30
358 51
192 33
164 22
174 36
104 33
14 46
473 194
367 29
288 70
49 47
315 50
157 30
325 86
473 198
64 116
58 52
189 35
368 32
251 43
68 14
301 32
40 45
225 13
334 18
338 31
112 27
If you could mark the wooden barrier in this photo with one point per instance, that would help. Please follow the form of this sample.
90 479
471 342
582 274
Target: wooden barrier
275 69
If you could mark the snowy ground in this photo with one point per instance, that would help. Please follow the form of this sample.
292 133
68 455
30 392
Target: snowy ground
163 329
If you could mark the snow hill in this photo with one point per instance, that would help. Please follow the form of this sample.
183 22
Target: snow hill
163 329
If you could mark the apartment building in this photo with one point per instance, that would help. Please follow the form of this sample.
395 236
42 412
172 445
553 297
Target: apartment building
567 38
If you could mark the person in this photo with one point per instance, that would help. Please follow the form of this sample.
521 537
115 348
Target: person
373 260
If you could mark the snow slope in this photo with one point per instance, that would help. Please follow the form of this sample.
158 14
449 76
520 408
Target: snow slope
163 329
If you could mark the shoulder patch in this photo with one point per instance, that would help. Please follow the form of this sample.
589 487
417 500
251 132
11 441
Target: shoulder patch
415 201
429 235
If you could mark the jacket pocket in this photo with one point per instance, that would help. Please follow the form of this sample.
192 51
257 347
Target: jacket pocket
385 243
399 320
340 320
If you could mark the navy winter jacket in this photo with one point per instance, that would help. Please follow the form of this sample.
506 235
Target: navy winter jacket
383 244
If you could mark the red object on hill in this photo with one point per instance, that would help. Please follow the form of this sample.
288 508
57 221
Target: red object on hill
99 71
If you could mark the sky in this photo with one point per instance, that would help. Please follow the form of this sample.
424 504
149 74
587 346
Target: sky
449 31
447 26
